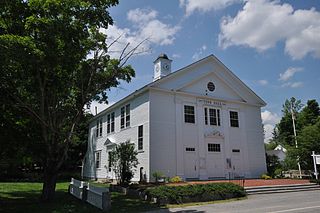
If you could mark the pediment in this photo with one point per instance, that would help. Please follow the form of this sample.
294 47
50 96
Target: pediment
221 89
194 78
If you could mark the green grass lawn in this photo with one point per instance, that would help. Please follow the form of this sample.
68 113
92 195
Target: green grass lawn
24 197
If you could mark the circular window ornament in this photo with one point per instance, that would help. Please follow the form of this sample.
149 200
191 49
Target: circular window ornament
211 86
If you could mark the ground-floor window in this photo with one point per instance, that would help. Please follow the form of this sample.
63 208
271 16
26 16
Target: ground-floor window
214 147
109 161
190 149
98 159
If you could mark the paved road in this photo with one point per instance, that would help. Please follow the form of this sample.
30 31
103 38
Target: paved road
293 202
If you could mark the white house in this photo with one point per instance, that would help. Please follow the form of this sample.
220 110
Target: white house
279 151
199 122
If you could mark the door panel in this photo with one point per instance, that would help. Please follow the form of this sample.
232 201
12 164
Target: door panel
190 164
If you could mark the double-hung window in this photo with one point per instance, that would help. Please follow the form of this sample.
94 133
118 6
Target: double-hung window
212 116
109 162
125 116
98 159
140 137
110 122
234 119
189 115
99 128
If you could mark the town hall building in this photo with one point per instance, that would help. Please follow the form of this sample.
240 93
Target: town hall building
200 122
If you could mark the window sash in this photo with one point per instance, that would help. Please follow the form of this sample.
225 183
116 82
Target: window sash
214 147
112 122
98 159
206 116
140 137
108 123
234 119
122 117
127 115
189 114
99 128
214 116
109 161
190 149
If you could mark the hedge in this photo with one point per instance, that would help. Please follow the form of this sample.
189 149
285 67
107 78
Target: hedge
195 193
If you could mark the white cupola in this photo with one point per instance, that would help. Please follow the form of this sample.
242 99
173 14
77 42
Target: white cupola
162 66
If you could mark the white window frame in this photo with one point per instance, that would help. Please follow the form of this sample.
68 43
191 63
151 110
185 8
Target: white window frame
207 117
194 113
99 127
237 111
97 160
213 148
140 138
110 123
125 116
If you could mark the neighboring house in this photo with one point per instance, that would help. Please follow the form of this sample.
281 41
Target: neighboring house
279 151
200 122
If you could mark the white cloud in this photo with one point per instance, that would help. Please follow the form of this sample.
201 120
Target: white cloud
146 27
268 130
196 56
263 82
289 73
293 84
175 55
141 15
205 5
262 23
269 117
269 121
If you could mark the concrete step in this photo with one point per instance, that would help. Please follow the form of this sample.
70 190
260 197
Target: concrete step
281 188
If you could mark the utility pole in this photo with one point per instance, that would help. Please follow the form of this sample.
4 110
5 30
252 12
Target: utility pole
295 137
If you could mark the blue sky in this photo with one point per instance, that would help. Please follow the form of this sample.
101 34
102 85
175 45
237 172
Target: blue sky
273 46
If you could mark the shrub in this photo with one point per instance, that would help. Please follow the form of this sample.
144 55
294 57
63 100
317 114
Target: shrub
266 177
157 176
175 179
195 193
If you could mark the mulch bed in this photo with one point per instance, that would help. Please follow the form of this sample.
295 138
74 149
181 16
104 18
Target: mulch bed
250 182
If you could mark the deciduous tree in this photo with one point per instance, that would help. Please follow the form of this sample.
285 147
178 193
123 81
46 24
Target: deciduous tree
53 61
123 161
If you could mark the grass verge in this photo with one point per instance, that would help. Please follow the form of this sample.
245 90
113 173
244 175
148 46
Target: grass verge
24 197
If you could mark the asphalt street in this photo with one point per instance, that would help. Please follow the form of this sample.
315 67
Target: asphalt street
293 202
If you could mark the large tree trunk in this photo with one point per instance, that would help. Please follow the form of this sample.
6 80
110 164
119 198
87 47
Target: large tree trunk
49 185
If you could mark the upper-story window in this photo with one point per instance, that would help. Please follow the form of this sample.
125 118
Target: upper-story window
99 128
213 115
140 137
125 116
234 119
189 116
110 123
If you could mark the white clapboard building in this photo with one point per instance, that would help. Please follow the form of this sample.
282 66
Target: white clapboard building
199 122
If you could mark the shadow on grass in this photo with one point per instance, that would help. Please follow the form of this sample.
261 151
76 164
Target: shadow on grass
123 203
30 202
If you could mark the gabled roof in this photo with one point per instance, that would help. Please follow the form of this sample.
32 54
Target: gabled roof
179 72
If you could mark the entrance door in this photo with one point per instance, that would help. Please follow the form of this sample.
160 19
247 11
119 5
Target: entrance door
236 163
190 163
